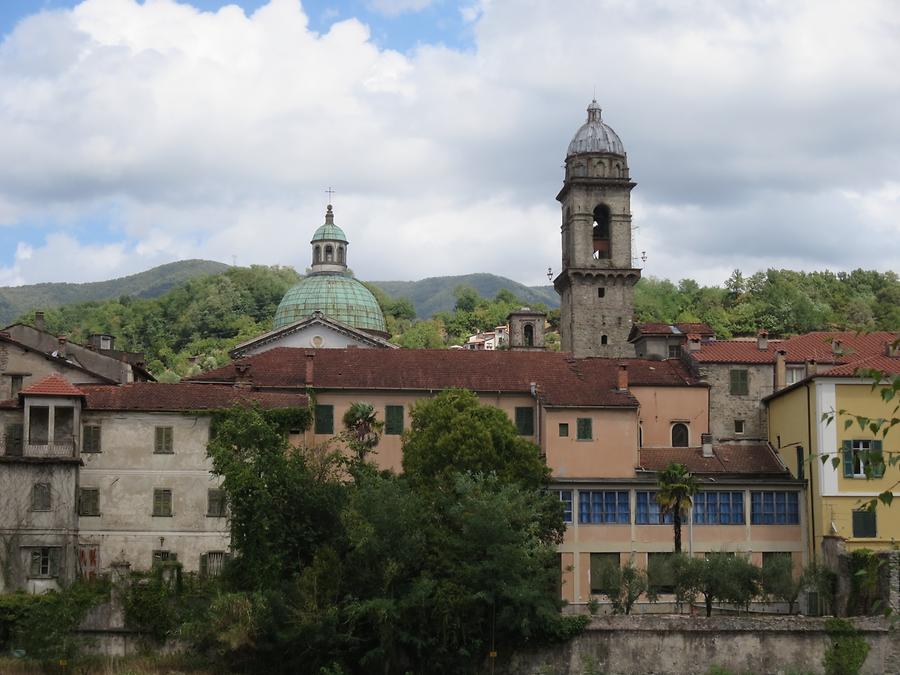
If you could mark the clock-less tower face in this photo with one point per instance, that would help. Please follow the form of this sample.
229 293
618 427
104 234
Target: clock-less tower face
596 285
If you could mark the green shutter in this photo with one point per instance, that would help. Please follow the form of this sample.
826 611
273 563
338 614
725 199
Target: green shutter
170 443
393 420
324 419
158 440
525 421
584 431
55 562
848 459
876 458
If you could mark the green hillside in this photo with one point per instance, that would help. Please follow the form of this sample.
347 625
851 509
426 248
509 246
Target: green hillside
435 294
17 300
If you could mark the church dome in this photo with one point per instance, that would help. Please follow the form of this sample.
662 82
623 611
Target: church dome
595 136
329 231
337 296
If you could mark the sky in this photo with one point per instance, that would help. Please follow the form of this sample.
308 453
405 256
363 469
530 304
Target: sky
760 133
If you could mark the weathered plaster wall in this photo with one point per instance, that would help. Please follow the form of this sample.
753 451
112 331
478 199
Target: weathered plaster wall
34 367
661 407
680 645
724 407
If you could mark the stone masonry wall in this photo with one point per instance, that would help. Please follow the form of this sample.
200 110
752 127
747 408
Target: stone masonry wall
678 645
724 407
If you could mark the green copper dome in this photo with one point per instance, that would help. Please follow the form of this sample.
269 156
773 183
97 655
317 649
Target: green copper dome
329 231
335 295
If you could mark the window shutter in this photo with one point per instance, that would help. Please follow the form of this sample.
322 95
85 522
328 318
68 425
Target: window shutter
14 440
157 446
168 443
204 565
55 562
848 459
876 457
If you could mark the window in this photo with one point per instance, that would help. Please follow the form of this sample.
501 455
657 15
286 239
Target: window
774 508
660 574
674 351
15 385
680 435
864 524
13 440
215 503
739 382
64 425
528 332
324 423
604 340
45 562
163 442
162 502
602 564
340 254
565 496
393 420
161 556
739 426
211 563
40 497
90 439
38 425
525 421
584 429
863 458
794 374
601 232
317 254
329 253
563 429
719 508
604 506
648 512
601 292
88 501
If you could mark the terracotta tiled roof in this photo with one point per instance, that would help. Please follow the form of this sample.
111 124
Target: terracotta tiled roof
645 329
727 459
815 346
561 379
182 396
52 385
882 363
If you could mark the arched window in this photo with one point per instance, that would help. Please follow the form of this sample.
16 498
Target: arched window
601 232
529 335
604 340
317 254
329 253
340 254
680 435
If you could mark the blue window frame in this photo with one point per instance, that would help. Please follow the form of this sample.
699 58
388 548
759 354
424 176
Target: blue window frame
774 508
719 508
647 510
565 496
604 506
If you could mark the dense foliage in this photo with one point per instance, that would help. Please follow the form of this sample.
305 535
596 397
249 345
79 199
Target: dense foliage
191 327
341 568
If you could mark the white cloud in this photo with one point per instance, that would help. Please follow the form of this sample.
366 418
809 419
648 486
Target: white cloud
754 141
395 7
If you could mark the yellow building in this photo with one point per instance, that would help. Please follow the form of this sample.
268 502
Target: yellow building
851 474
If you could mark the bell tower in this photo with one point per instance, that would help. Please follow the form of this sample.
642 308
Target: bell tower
596 285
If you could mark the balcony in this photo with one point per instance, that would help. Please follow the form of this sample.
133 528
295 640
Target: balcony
64 449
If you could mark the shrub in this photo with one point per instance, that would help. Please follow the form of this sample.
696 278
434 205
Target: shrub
848 650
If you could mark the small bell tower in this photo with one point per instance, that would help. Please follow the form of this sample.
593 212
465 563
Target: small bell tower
596 285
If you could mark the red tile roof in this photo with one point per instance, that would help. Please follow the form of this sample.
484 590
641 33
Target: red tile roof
645 329
561 379
815 346
883 363
727 459
52 385
155 396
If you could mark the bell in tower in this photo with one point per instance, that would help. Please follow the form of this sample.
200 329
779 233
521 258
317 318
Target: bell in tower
596 285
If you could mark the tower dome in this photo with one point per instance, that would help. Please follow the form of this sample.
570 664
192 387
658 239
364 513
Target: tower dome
595 136
330 288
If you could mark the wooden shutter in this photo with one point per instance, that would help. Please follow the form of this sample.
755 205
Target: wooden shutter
158 440
55 562
324 419
847 450
525 421
204 564
393 419
584 430
91 439
14 436
876 458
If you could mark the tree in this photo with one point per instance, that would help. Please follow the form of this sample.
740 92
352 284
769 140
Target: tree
676 487
454 433
780 583
362 429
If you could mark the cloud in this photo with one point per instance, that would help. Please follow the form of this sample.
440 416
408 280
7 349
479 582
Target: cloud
395 7
754 141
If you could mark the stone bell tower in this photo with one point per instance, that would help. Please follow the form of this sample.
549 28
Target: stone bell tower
596 285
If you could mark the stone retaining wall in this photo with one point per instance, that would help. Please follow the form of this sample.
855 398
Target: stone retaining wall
677 645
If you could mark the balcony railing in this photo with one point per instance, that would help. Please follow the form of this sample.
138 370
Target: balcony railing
64 449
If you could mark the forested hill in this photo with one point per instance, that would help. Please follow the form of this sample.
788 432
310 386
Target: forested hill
17 300
435 294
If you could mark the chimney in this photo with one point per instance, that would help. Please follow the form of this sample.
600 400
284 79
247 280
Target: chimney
837 347
780 370
892 349
39 320
693 342
308 376
762 340
706 443
61 348
623 377
242 378
811 368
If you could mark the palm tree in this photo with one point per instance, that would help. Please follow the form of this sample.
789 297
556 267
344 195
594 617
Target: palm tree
363 429
676 487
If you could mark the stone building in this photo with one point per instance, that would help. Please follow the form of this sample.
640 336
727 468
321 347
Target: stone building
596 284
